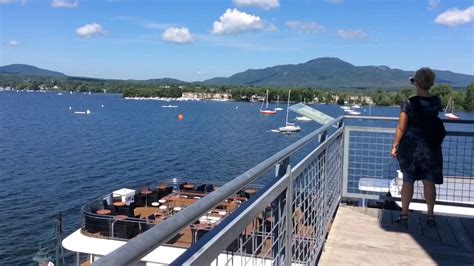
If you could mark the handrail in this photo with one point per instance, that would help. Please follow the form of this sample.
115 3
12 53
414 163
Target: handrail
146 242
235 224
387 118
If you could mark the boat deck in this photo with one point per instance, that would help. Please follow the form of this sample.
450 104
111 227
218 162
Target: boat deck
371 236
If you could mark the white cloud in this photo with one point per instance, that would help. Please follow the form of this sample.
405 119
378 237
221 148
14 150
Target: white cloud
177 35
90 30
433 4
233 21
352 34
335 1
264 4
13 43
308 27
454 17
65 3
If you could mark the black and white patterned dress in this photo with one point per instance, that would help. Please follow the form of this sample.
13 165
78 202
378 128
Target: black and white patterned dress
417 160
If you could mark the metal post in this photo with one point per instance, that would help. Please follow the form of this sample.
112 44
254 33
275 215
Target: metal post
289 217
276 209
323 136
345 161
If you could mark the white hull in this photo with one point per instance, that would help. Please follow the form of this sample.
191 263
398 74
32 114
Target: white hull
268 112
449 111
302 118
87 112
352 112
289 129
452 116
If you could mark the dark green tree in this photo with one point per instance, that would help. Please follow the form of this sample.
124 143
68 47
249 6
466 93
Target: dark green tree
469 98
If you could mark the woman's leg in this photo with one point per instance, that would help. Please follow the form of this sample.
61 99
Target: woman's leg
407 194
430 195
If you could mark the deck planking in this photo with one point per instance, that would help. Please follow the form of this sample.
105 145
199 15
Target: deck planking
362 236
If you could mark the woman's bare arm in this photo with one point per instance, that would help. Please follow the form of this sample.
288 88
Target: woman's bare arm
400 131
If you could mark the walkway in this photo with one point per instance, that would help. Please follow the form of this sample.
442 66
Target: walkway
365 236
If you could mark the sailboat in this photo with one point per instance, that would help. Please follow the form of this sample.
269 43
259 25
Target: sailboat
289 127
449 111
278 103
266 111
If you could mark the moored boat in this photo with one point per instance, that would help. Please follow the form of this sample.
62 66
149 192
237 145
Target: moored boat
289 127
449 111
266 111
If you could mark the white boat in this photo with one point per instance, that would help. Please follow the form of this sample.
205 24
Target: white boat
87 112
356 106
60 93
345 107
302 118
169 106
278 104
449 111
266 111
289 127
352 112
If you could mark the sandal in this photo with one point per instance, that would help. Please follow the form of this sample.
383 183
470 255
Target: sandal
430 220
403 219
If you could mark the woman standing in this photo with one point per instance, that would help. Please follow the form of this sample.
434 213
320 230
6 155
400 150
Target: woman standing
418 158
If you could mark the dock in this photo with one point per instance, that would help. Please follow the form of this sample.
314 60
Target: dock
369 236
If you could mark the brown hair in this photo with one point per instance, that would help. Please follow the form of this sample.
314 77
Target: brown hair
424 78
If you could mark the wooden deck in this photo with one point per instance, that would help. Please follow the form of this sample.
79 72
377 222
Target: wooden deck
365 236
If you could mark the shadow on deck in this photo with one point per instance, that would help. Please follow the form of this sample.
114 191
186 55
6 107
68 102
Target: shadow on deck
371 236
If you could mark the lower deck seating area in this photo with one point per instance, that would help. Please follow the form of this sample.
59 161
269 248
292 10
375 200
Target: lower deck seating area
125 216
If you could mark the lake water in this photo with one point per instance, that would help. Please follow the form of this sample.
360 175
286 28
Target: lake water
53 160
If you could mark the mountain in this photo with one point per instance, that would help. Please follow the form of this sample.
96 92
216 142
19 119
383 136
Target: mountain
29 70
18 71
329 72
325 72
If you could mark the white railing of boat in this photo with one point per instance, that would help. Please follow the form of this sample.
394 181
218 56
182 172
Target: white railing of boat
269 228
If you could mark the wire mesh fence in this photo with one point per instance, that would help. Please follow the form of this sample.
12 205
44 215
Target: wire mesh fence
371 171
279 231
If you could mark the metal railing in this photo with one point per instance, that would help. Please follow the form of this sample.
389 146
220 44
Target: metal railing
144 243
370 172
286 222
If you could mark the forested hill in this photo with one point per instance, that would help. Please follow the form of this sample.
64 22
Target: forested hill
328 72
325 72
22 69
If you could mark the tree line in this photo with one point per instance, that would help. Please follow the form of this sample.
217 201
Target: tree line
463 98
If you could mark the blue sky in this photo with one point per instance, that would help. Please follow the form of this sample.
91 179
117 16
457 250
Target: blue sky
200 39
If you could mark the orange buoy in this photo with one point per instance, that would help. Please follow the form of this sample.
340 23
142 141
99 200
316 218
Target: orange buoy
180 117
